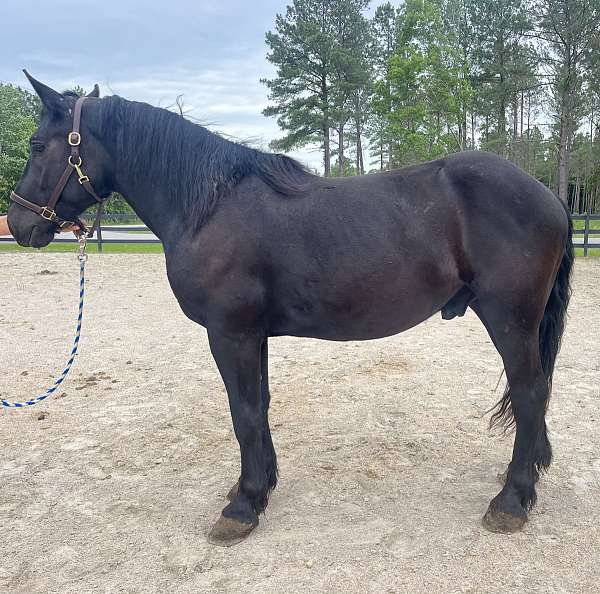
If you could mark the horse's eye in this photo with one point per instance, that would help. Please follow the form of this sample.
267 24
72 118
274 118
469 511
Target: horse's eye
37 146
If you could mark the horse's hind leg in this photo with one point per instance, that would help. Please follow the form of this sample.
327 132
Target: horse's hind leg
515 333
543 450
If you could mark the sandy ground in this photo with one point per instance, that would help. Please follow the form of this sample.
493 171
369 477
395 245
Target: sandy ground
386 462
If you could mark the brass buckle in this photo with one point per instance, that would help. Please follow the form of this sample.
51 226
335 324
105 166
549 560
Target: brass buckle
48 214
74 138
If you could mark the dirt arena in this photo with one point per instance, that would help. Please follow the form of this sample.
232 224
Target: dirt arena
386 464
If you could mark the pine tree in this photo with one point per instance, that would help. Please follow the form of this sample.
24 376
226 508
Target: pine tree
501 62
301 48
568 29
351 77
383 46
318 48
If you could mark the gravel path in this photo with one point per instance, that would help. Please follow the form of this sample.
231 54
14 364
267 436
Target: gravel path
386 462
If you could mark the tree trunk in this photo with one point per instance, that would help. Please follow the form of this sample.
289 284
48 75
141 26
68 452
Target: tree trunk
564 153
326 150
528 132
567 122
341 150
464 127
501 127
360 167
515 130
325 131
501 115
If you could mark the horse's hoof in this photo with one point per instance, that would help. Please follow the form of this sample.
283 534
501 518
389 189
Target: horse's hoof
228 532
502 522
233 492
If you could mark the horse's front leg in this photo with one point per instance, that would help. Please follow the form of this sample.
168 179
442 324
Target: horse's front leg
238 359
268 449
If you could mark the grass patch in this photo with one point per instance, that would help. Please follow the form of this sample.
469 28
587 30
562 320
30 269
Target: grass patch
592 237
581 225
92 248
592 252
134 232
146 248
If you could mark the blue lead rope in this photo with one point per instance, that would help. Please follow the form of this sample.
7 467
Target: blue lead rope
63 375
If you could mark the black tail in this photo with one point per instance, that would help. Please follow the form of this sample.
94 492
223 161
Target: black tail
551 331
553 322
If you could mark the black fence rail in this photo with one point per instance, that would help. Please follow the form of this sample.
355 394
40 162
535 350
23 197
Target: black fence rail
129 229
589 231
129 232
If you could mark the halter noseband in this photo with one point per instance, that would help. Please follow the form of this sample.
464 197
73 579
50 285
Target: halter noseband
74 164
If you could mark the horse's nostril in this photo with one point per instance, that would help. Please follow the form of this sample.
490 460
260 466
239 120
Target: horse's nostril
40 237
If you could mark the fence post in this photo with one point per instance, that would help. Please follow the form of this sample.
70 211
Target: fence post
586 233
99 233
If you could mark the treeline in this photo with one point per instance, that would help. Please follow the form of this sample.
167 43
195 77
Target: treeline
19 111
520 78
400 85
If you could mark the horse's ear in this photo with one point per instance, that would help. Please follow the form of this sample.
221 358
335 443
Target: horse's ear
52 100
95 92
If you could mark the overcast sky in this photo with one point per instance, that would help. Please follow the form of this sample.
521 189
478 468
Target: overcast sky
212 52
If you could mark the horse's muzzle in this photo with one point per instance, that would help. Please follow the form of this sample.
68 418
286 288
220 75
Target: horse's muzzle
38 237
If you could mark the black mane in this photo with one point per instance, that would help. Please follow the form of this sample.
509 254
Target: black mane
194 165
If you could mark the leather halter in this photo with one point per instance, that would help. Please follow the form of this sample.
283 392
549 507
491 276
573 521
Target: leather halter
74 165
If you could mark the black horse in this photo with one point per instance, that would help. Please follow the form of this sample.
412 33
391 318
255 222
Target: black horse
256 246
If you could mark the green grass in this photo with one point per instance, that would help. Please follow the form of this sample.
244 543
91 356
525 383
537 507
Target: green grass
134 232
593 238
109 248
581 225
154 248
592 253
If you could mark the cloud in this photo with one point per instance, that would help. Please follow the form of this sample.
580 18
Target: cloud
212 53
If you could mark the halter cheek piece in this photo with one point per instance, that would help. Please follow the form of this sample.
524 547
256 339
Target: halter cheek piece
74 165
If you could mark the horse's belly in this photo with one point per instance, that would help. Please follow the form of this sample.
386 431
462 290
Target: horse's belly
363 314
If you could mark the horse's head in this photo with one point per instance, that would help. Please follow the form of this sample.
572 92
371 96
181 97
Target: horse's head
51 148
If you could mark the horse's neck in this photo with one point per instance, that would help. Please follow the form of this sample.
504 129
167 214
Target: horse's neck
150 203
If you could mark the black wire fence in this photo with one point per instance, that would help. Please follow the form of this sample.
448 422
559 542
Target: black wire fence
127 228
